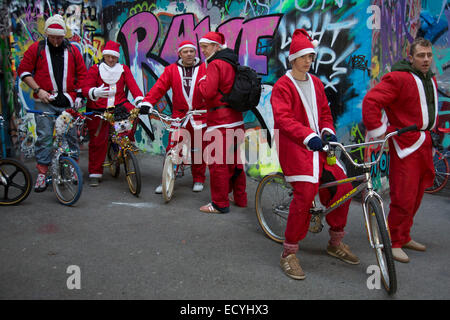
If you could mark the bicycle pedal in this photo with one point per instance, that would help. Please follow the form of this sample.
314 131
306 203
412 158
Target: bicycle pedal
315 225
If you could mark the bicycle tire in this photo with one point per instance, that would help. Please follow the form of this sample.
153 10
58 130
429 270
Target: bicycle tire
382 244
441 173
272 199
133 172
168 178
68 185
113 159
18 178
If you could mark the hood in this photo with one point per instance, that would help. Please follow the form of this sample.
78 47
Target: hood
225 54
405 65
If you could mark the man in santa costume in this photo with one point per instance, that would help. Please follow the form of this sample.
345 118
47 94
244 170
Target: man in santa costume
182 77
225 126
408 95
54 70
105 87
303 118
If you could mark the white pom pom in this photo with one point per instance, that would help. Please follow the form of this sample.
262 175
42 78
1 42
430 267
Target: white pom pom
315 43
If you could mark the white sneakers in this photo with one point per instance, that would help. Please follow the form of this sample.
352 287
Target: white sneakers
198 186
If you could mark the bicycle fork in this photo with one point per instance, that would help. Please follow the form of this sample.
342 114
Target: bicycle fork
371 193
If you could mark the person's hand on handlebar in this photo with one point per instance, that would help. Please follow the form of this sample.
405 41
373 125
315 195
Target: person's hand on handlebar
315 144
145 108
329 137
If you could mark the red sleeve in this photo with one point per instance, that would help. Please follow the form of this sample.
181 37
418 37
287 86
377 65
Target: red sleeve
380 96
80 68
91 80
283 115
131 83
210 86
160 88
28 63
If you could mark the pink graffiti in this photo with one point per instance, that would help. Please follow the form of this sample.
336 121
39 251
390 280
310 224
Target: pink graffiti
140 33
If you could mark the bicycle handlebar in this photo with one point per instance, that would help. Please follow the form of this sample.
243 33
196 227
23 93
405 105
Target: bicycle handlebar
166 118
338 145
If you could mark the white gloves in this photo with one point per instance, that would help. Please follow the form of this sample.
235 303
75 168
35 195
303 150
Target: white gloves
78 103
101 92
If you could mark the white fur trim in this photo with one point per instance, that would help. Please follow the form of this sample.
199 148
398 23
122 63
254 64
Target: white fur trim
308 138
301 53
55 32
402 153
377 132
187 46
204 40
327 130
112 53
110 75
314 178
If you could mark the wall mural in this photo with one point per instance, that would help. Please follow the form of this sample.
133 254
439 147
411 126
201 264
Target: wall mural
358 42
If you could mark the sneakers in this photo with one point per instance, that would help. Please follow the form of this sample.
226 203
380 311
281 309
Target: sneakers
400 255
413 245
342 251
291 267
158 189
41 184
198 186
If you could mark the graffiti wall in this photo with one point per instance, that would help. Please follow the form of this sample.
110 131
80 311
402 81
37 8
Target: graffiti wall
358 42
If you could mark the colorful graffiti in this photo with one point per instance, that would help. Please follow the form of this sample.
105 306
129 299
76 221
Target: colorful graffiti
359 41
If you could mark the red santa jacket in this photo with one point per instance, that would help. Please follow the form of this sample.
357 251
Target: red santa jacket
116 79
296 123
182 102
401 94
219 76
40 63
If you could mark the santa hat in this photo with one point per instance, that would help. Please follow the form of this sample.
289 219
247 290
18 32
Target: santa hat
55 26
214 37
112 48
301 44
186 44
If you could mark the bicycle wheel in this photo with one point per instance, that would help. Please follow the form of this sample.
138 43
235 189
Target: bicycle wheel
132 172
168 178
68 184
15 182
272 200
382 244
441 171
113 159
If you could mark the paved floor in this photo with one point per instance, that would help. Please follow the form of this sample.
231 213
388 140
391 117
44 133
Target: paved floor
141 248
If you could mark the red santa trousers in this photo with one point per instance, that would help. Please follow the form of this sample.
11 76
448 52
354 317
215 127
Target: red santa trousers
98 142
198 165
304 193
226 168
408 179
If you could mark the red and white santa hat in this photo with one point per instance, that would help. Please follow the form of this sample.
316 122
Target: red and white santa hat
112 48
301 44
186 44
55 26
214 37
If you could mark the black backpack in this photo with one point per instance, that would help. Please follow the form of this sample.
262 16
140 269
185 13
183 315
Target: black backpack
246 90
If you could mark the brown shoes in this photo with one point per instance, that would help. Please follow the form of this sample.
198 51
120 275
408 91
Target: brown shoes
291 267
342 251
413 245
399 255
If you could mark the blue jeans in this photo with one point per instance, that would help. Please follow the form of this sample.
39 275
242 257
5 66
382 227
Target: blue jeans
44 131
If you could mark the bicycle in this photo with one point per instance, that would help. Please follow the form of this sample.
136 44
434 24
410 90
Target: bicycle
176 158
15 178
274 195
441 168
122 151
65 174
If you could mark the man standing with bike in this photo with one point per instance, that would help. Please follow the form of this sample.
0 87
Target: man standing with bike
105 86
408 96
182 77
226 169
303 120
54 70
